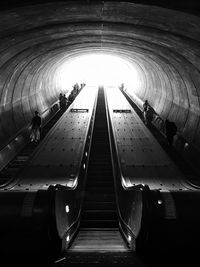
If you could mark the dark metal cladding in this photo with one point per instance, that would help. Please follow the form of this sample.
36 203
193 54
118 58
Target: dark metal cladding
170 227
28 227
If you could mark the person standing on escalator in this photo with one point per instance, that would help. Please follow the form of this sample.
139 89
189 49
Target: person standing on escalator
60 100
145 110
36 127
170 131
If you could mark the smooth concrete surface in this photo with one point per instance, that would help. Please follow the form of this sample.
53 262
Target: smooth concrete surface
161 43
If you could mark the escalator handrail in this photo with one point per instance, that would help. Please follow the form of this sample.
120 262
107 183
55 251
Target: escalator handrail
113 143
118 174
82 175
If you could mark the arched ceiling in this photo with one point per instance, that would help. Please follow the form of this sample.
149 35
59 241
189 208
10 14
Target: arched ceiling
163 44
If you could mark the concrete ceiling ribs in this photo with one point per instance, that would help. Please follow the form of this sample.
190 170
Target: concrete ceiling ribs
162 44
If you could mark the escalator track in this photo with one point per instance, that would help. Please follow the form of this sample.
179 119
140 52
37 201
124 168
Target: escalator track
187 168
99 227
10 171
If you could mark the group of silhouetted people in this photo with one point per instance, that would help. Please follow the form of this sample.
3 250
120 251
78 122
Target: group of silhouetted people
64 101
36 122
170 126
148 112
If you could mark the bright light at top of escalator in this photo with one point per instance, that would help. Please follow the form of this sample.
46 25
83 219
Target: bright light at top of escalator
97 69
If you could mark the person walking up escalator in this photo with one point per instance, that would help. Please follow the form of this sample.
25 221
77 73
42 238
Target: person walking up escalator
170 130
36 127
145 110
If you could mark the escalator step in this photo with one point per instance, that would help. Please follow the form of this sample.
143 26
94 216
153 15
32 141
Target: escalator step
97 192
99 208
100 215
6 176
103 183
10 171
100 197
15 165
99 224
97 163
99 205
21 157
20 161
100 189
103 172
99 179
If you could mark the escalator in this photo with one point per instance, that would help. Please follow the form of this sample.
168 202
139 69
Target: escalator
99 240
9 172
187 168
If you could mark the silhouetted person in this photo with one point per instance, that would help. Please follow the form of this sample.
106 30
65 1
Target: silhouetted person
82 85
170 130
64 102
36 127
145 110
76 87
60 100
71 98
121 87
149 114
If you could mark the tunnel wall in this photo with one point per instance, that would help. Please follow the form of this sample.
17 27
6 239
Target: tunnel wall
172 91
163 43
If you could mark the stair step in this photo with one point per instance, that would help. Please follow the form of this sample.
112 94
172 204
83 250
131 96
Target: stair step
100 186
95 239
21 157
6 176
19 161
101 161
16 163
99 177
101 169
99 210
99 241
99 197
99 224
102 183
99 189
98 192
99 231
3 180
91 259
12 166
99 205
101 157
100 215
29 149
11 171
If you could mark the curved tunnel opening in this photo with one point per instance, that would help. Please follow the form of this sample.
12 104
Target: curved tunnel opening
154 52
97 69
37 59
